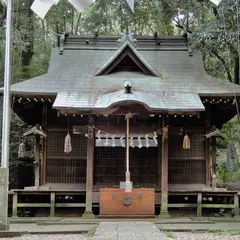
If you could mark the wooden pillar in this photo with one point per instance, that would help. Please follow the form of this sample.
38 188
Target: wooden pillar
214 155
89 182
208 160
37 160
164 175
52 203
44 145
236 204
159 158
14 204
199 204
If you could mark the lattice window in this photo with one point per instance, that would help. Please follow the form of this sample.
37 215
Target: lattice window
66 168
187 172
110 165
55 144
69 171
197 150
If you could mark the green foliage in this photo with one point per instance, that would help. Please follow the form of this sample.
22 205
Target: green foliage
214 33
223 173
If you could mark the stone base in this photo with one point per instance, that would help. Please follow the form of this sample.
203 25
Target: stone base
88 215
164 215
4 224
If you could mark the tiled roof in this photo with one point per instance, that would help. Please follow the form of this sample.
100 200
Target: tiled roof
74 71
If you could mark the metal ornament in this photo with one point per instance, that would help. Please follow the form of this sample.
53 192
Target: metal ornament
127 201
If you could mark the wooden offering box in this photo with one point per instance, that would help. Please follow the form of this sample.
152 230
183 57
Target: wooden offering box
115 201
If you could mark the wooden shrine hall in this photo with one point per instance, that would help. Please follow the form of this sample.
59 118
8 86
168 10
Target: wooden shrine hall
122 124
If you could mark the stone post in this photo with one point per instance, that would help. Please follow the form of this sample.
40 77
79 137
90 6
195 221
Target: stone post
4 224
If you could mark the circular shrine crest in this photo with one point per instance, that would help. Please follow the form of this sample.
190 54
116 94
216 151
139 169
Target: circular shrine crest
127 201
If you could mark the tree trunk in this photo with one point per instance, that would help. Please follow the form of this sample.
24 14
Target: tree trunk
29 36
236 70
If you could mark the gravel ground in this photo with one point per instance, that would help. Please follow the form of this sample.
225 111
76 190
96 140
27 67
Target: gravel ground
203 236
50 237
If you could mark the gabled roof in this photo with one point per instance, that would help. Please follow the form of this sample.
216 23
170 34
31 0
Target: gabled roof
83 57
127 49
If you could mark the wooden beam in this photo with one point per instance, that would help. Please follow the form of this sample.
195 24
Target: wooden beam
231 206
89 182
182 205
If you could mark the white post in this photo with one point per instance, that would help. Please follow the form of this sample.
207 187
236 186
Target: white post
4 171
6 99
128 183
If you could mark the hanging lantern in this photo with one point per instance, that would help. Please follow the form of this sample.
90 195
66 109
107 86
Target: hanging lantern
186 142
155 138
98 137
113 141
147 141
131 142
67 144
22 150
122 141
106 141
139 142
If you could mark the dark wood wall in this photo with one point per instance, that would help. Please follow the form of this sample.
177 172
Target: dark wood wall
186 166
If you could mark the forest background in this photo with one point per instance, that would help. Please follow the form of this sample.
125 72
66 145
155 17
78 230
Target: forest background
215 30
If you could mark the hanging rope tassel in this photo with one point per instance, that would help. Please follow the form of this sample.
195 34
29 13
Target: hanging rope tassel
186 142
22 150
67 144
